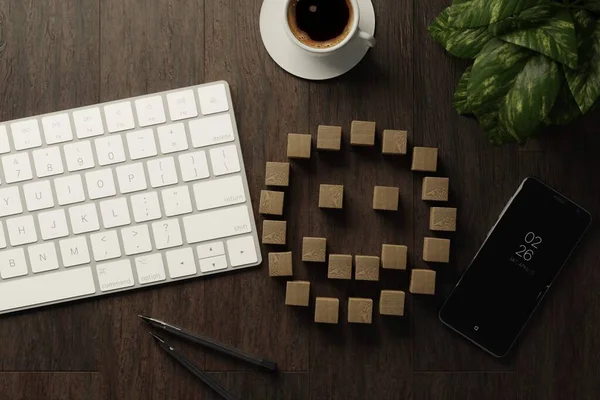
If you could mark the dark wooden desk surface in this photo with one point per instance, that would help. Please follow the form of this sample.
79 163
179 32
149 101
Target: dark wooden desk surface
69 53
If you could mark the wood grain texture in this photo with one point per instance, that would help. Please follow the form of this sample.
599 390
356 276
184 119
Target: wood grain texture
67 53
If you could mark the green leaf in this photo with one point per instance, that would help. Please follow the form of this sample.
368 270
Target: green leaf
525 19
530 97
494 131
494 72
461 101
565 108
555 38
462 43
585 82
479 13
585 24
592 5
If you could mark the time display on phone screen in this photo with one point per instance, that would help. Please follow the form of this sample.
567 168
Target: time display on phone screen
526 252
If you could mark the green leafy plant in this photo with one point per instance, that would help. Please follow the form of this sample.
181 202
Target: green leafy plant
536 62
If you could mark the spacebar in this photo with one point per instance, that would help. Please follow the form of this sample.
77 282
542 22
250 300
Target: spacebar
46 288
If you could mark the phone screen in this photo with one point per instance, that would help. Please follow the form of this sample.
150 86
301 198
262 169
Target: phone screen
515 266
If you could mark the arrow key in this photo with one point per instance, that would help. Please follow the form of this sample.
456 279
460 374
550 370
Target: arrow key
213 264
181 262
211 249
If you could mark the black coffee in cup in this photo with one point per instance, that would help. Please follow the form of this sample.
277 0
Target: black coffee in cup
320 23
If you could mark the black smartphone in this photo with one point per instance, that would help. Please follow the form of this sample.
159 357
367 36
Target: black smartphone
522 254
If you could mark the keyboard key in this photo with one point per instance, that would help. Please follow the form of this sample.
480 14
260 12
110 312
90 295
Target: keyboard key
57 128
53 224
167 233
150 111
43 257
38 195
177 201
209 250
79 156
119 117
10 201
110 150
172 138
181 262
88 123
193 166
136 239
217 224
4 143
69 189
105 245
162 172
84 218
242 251
211 130
224 160
26 134
48 162
213 264
131 178
115 275
145 207
21 230
150 268
141 144
74 251
100 183
213 99
46 288
16 167
219 193
115 213
12 264
182 105
2 238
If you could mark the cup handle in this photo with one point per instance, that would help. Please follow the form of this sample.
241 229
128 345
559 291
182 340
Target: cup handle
369 39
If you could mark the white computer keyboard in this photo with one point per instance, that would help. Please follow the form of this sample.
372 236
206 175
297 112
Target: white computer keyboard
122 195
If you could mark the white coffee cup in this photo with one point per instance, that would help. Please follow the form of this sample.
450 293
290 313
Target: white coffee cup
353 32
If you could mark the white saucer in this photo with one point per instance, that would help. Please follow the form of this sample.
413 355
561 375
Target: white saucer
297 61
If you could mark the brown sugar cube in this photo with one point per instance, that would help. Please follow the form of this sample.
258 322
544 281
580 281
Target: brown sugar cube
393 256
386 198
362 133
394 142
313 249
422 281
424 159
274 232
297 293
271 202
331 196
329 138
436 250
280 264
442 219
298 146
391 302
340 266
327 310
367 268
277 174
435 189
360 311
